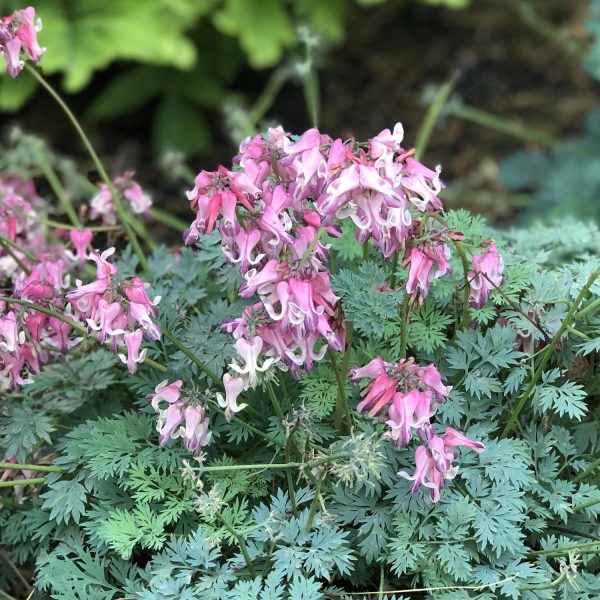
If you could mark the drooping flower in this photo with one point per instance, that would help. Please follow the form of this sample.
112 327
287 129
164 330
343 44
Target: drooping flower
434 462
18 32
486 274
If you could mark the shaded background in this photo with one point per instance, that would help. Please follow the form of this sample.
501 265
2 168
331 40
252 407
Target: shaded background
183 75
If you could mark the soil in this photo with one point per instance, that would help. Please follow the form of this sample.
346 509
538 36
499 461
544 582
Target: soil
393 52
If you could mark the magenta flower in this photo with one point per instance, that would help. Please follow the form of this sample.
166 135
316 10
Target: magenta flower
421 274
408 412
486 274
434 462
19 32
80 240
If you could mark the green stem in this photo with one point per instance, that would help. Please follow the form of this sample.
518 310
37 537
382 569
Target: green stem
97 162
404 325
581 507
465 266
561 549
19 262
341 404
242 544
311 464
587 472
13 483
433 114
97 228
274 401
266 98
491 121
168 219
544 586
591 307
192 357
393 269
548 354
313 507
312 245
56 185
25 467
16 246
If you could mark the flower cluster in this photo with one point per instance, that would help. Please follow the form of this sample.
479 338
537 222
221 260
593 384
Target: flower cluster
182 417
410 393
18 32
118 311
272 210
103 204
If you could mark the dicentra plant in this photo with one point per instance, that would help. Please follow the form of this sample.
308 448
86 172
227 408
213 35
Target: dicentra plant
375 398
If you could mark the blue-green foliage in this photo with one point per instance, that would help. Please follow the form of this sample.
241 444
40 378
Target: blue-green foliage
564 181
127 518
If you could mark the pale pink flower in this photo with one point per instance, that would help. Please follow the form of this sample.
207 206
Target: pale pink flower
167 392
234 386
249 352
486 274
133 340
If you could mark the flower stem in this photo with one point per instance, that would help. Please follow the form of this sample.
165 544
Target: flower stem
19 262
548 354
465 266
585 505
491 121
192 357
587 472
25 467
562 549
311 464
169 220
56 185
274 401
433 114
97 162
544 586
241 542
15 482
23 251
341 405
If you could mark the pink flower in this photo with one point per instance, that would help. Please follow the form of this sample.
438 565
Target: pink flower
385 144
371 370
195 434
407 412
431 379
167 392
103 268
19 32
424 183
10 336
454 438
486 274
80 240
434 461
107 314
133 340
421 274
